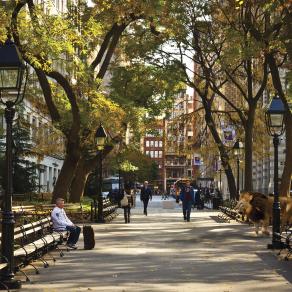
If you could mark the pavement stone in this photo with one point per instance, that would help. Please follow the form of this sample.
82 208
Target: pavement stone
160 252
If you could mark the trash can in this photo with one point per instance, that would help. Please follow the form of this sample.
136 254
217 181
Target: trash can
216 203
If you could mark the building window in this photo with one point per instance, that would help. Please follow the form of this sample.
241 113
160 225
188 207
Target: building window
160 144
151 143
160 154
147 152
147 143
151 154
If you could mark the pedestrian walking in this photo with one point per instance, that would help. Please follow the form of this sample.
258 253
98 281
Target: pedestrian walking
126 204
146 195
187 196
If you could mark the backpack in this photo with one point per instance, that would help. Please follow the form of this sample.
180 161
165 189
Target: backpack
88 236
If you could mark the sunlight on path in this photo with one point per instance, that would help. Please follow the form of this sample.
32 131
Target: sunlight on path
160 252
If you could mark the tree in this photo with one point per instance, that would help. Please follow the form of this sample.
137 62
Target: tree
215 52
45 47
275 36
182 51
136 166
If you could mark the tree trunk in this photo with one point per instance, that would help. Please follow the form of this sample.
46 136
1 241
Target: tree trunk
230 181
84 168
223 154
287 172
248 149
67 172
79 181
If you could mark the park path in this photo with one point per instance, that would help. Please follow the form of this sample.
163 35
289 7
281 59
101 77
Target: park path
160 252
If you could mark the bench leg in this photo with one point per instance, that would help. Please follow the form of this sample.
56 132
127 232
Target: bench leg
46 264
60 251
51 256
36 269
4 286
288 255
27 279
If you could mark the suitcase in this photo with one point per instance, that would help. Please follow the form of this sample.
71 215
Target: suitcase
88 235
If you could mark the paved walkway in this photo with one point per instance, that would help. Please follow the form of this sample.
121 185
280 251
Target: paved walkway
160 252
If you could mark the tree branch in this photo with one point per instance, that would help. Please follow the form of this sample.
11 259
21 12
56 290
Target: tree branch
46 88
113 44
103 47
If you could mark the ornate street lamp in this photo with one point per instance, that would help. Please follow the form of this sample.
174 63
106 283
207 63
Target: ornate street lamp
13 78
238 151
100 138
275 126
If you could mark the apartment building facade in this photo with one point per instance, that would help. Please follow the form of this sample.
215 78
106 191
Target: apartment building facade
153 146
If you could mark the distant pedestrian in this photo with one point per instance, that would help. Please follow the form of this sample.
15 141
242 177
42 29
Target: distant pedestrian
146 195
187 196
126 204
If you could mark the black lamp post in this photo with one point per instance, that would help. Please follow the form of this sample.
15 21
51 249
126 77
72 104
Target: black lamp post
237 150
275 126
41 170
100 137
119 161
220 180
13 77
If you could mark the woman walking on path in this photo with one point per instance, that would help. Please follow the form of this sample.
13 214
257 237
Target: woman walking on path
126 204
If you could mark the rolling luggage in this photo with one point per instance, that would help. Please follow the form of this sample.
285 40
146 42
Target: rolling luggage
88 235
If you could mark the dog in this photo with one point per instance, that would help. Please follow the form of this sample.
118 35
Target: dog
258 208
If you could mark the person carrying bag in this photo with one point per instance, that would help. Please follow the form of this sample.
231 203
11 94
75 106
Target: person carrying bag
126 203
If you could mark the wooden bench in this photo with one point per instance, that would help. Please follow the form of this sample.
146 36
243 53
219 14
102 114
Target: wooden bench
3 265
28 213
33 241
72 210
109 210
229 213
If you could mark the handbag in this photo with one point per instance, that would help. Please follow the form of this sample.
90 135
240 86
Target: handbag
124 201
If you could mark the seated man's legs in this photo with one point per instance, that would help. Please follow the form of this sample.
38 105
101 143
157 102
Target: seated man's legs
74 234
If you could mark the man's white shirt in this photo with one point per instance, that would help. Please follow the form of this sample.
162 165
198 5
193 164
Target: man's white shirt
60 219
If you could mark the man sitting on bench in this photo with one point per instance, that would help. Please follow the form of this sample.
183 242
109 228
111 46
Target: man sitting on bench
61 223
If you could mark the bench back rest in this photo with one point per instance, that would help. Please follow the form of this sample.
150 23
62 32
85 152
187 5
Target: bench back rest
29 232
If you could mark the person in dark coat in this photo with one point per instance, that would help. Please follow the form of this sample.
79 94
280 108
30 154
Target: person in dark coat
187 196
146 195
